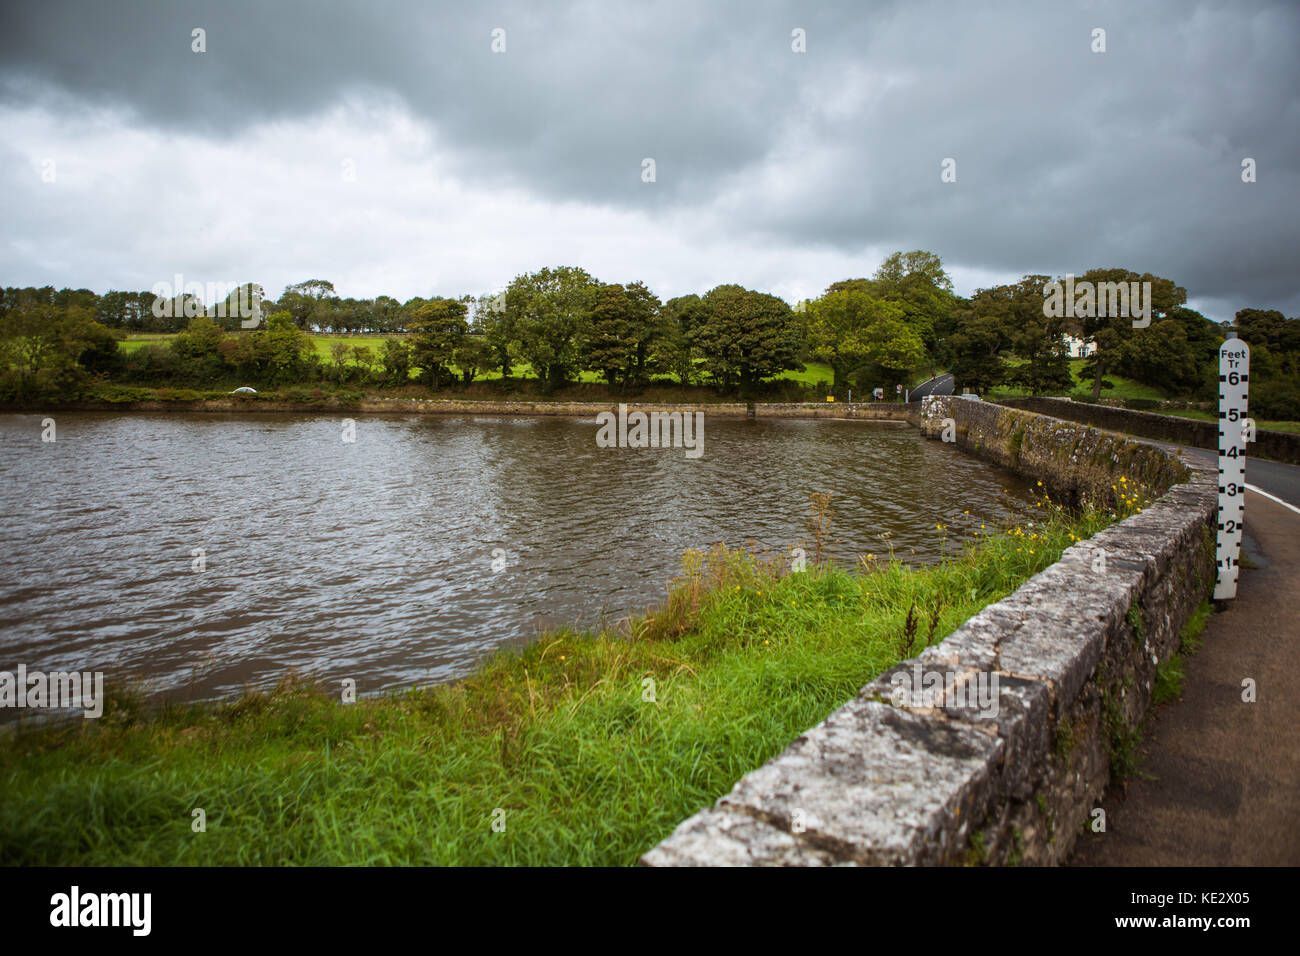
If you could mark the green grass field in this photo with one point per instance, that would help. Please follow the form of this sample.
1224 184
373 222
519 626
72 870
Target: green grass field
322 343
583 750
1265 424
138 341
1124 388
813 372
1128 389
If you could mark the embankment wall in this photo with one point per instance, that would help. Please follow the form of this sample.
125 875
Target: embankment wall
1279 446
896 778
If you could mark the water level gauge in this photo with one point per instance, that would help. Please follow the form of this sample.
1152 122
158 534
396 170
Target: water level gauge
1234 383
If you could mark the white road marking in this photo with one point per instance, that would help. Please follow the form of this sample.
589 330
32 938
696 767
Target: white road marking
1284 504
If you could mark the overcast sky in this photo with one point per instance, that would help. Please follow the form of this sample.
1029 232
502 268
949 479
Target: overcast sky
387 147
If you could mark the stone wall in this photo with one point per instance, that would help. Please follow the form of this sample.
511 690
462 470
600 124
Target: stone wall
895 778
1280 446
1075 462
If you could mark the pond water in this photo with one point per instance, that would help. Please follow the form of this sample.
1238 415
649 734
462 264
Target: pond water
408 555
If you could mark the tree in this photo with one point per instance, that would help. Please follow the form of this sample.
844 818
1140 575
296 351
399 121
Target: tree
500 337
745 336
625 327
281 347
917 282
895 346
365 359
675 350
339 351
307 301
396 359
473 356
1280 335
1162 355
201 338
979 336
277 353
610 343
839 329
124 310
1109 332
1037 338
1274 362
95 346
52 348
551 314
439 326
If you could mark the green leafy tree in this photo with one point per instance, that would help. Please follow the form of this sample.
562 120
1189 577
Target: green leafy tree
895 347
282 348
918 283
746 336
625 328
1159 355
610 343
49 350
439 326
843 327
1274 362
339 352
551 314
396 360
1037 338
980 333
1110 332
308 302
201 338
497 326
473 356
1280 335
675 350
278 353
364 357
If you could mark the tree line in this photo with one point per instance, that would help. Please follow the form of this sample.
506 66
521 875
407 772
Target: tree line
558 322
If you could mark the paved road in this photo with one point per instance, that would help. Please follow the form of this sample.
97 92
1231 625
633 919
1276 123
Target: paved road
1218 782
942 385
1277 478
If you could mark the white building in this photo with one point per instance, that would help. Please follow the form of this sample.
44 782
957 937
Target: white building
1078 348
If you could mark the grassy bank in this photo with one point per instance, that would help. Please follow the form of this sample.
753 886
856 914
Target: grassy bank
331 396
1267 424
587 748
1124 388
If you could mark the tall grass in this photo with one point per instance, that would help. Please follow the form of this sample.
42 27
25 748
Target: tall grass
581 749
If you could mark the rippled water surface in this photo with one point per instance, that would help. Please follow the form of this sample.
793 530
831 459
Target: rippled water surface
374 560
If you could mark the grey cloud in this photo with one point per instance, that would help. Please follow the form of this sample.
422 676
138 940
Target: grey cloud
1066 159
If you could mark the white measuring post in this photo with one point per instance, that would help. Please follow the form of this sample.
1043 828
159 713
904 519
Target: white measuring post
1234 386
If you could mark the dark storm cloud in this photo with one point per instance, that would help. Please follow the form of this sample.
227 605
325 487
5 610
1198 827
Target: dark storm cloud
582 94
1066 158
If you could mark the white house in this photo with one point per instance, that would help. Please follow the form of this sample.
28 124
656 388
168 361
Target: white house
1078 348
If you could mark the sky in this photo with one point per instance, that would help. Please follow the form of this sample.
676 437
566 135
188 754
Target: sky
442 149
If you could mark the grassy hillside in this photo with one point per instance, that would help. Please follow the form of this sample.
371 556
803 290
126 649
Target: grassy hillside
1125 388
